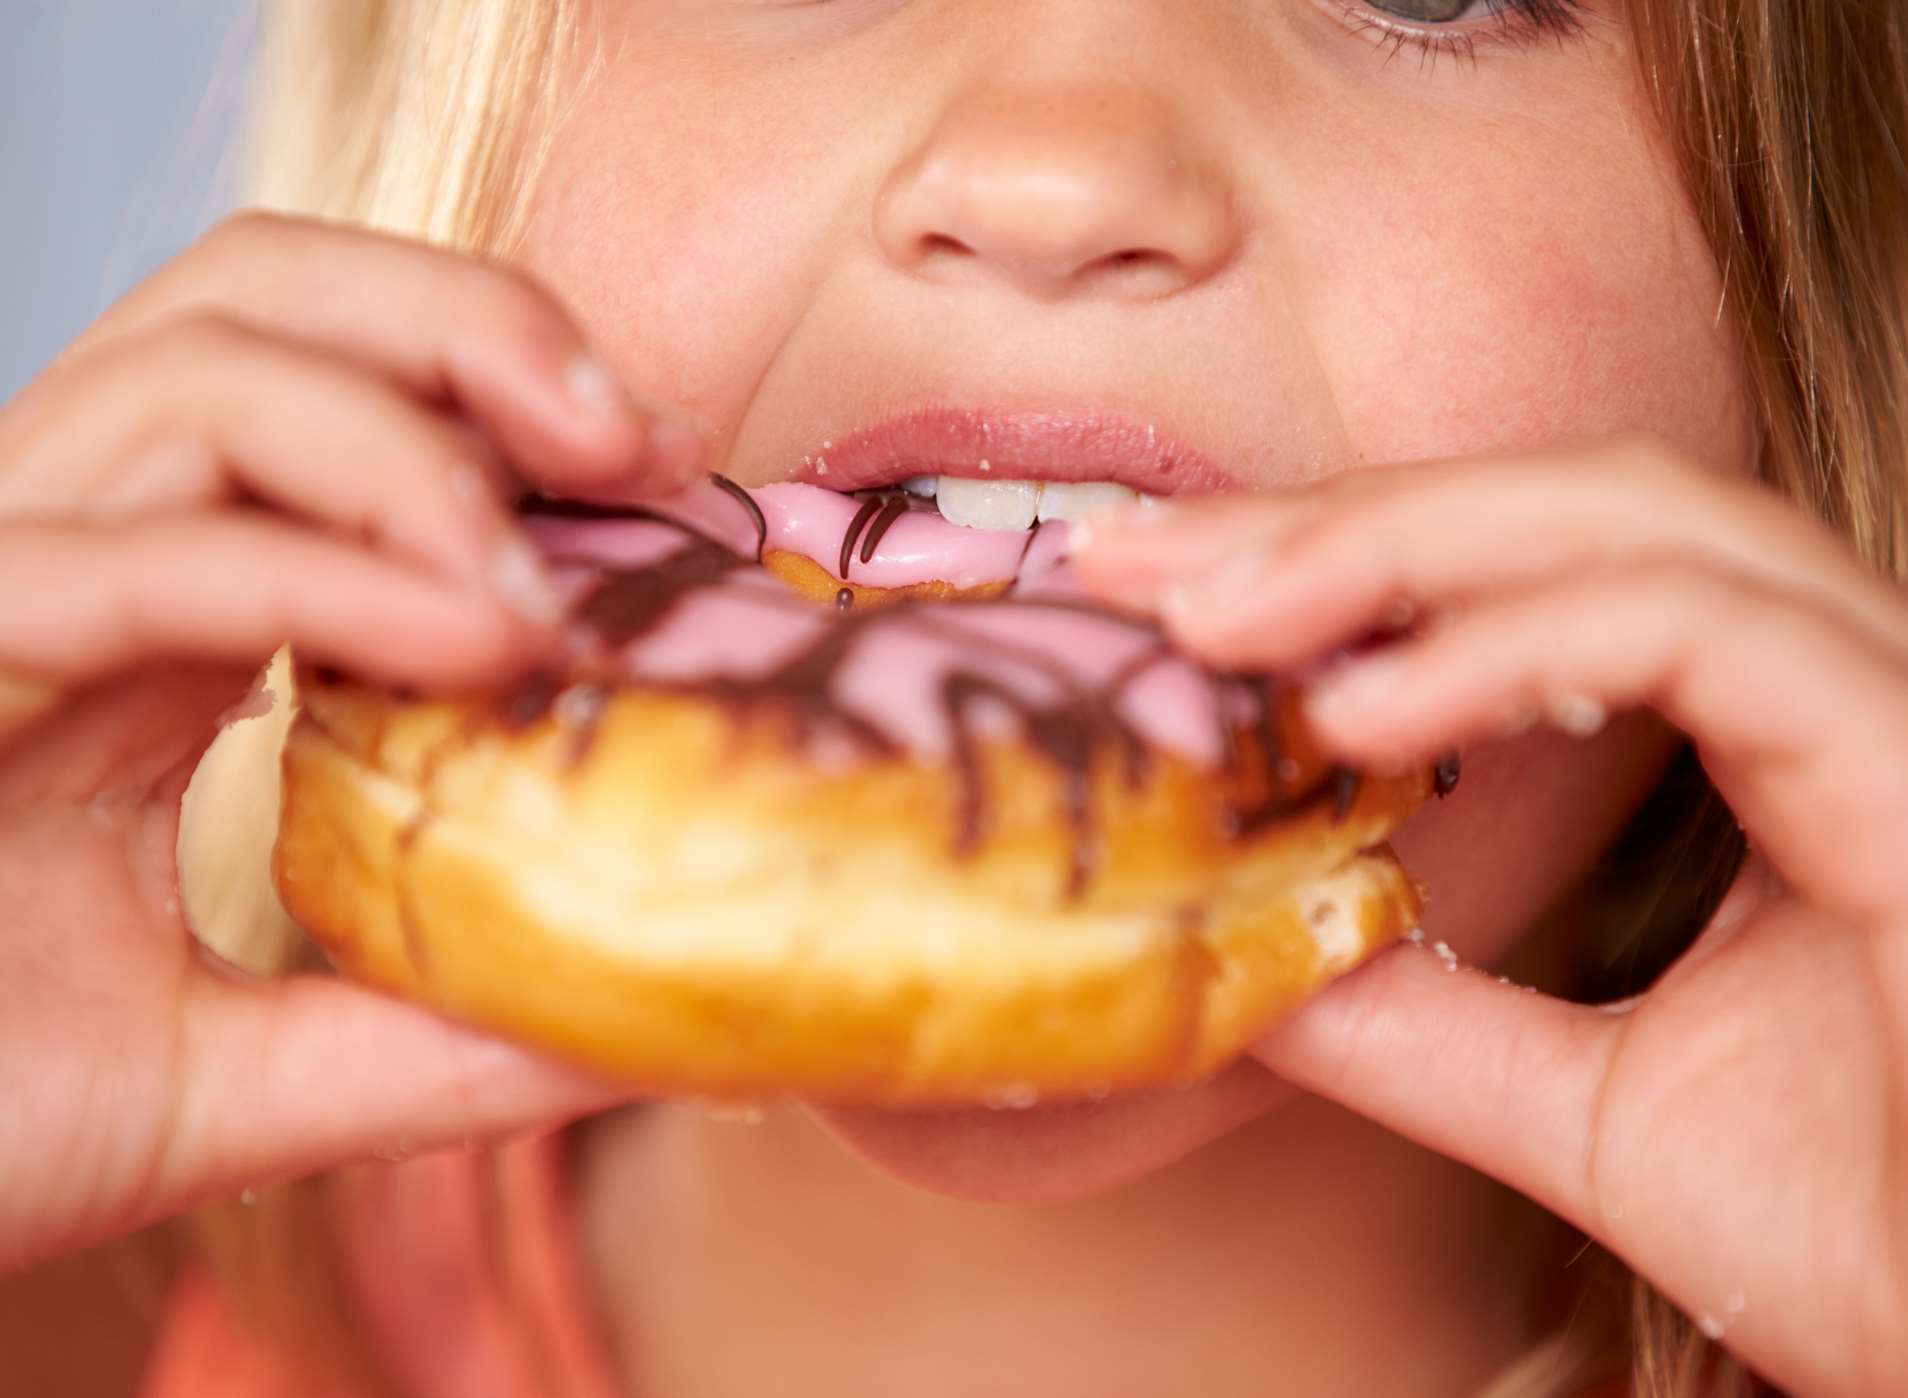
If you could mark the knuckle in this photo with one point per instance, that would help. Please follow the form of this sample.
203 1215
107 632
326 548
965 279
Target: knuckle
245 232
1341 529
136 362
517 305
1664 581
194 337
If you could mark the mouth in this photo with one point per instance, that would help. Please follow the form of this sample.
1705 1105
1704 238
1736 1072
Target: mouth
1023 466
935 503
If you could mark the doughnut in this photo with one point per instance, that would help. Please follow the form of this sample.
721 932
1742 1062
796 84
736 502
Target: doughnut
902 822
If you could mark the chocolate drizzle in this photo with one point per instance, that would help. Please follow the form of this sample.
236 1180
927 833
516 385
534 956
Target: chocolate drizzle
864 516
1072 724
869 527
747 502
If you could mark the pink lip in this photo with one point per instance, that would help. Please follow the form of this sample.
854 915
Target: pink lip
1052 445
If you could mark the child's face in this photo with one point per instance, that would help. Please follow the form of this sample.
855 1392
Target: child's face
1259 226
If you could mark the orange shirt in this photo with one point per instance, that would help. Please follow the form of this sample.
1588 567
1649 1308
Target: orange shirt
467 1278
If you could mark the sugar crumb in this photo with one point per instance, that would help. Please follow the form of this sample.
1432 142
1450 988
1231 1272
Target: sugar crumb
1013 1097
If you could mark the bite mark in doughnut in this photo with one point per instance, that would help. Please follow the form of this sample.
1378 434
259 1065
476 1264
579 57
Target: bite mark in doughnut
735 843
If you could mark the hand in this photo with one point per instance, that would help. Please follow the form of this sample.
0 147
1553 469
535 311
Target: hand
1739 1134
293 433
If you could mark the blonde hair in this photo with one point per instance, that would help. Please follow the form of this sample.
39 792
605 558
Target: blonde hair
1789 121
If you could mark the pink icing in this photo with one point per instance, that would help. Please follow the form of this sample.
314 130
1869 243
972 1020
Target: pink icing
1037 647
810 521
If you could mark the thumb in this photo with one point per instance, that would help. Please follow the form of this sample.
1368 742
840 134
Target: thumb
281 1078
1488 1073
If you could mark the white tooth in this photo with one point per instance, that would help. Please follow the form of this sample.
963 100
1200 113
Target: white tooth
989 504
921 485
1080 499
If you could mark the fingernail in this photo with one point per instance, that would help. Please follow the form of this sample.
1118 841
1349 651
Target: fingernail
1517 720
469 487
1578 715
1147 515
1216 593
677 439
1400 613
1355 688
519 581
596 390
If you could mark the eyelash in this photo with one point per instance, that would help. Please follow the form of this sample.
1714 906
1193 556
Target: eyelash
1510 23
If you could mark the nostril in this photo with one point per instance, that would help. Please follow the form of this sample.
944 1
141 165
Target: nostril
1140 271
942 245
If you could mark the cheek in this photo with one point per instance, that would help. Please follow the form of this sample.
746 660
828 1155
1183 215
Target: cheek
1492 289
1527 818
685 216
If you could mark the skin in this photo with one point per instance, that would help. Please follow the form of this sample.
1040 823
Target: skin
790 286
1504 288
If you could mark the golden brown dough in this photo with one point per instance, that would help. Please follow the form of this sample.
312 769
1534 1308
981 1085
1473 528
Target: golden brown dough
671 890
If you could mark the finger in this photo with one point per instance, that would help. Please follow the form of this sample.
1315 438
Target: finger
1800 719
1500 1078
1606 1116
1755 889
207 409
83 602
1317 566
284 1078
445 325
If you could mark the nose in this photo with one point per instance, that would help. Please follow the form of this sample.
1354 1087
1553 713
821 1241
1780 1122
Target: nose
1063 190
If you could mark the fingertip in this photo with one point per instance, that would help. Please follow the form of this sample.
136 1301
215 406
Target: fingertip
520 580
596 394
678 446
1123 527
1350 695
618 441
434 639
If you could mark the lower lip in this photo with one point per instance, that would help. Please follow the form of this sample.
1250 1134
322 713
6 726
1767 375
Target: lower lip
1045 446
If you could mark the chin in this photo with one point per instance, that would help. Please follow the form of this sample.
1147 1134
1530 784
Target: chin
1053 1155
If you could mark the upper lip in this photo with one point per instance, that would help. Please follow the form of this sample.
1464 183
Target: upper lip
1037 445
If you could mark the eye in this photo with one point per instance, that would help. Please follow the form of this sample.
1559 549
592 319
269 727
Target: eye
1463 28
1426 11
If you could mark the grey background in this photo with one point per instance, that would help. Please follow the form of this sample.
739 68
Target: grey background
116 121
